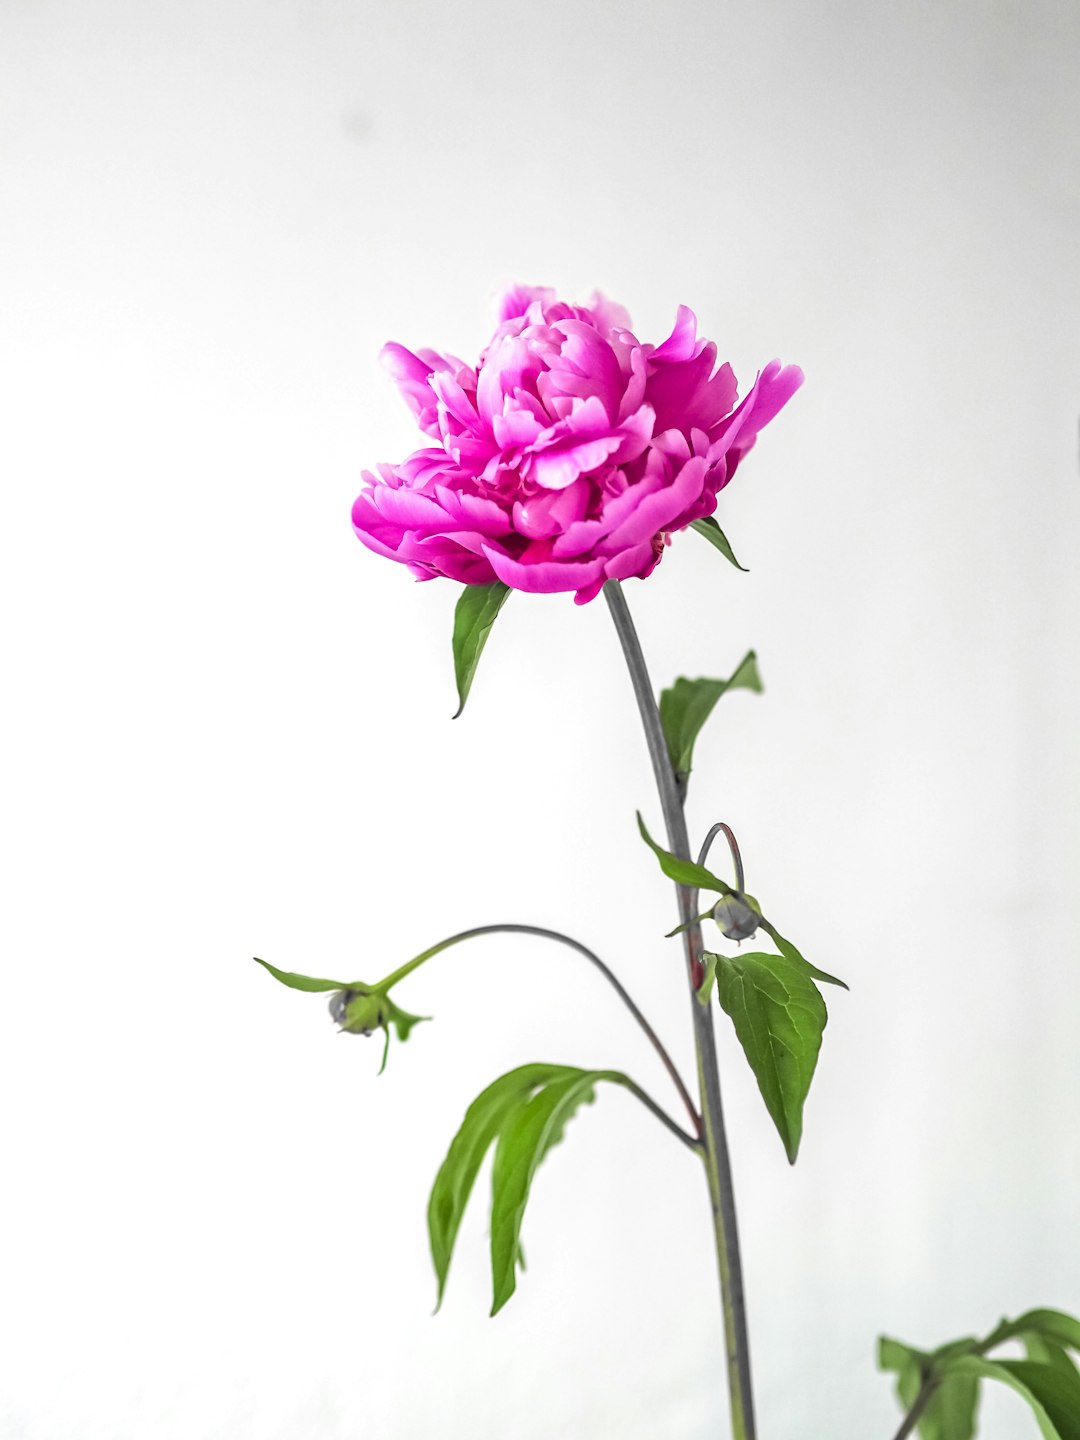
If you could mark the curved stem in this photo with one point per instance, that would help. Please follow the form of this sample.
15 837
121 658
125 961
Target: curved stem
717 1162
659 1111
733 846
594 959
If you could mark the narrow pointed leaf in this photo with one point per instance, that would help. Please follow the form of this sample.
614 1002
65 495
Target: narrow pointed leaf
528 1133
1052 1394
787 949
474 616
457 1174
779 1017
715 536
304 982
683 872
686 705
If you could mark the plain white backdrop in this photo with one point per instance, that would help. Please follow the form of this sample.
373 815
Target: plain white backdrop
228 725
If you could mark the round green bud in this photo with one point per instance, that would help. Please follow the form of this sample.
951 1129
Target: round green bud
737 920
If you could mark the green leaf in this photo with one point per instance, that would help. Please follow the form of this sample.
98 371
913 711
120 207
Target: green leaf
1048 1352
779 1017
715 536
683 872
687 704
483 1121
1051 1324
305 982
1053 1394
528 1133
474 616
951 1412
788 950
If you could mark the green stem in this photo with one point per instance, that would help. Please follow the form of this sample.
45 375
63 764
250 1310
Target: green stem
608 974
715 1151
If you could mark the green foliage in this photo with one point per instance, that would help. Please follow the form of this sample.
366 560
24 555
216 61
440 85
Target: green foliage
715 536
687 704
787 949
683 872
779 1017
1047 1380
358 1009
475 614
525 1112
305 982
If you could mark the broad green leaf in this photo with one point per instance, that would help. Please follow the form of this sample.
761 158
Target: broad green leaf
779 1017
788 950
1051 1324
951 1413
687 704
715 536
305 982
683 872
1048 1352
1053 1394
528 1132
474 616
454 1182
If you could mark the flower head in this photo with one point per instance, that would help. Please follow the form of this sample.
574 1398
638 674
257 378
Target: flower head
568 455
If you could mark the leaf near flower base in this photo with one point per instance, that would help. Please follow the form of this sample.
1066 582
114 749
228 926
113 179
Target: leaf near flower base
524 1114
474 615
779 1018
686 705
715 536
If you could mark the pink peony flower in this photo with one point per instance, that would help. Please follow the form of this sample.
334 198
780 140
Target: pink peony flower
569 455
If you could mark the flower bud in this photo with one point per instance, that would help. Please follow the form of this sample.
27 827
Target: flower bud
737 919
359 1012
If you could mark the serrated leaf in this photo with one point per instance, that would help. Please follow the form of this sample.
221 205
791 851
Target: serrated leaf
305 982
527 1134
475 614
683 872
686 705
715 536
1053 1395
457 1174
779 1017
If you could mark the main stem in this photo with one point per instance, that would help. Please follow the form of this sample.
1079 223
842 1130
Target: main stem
715 1151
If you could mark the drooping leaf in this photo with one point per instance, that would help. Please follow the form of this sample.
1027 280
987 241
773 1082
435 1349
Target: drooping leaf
1053 1325
475 614
787 949
686 705
1052 1394
779 1017
1048 1352
483 1120
527 1134
683 872
305 982
715 536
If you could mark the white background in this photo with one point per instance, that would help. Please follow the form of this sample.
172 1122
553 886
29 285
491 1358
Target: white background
228 725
